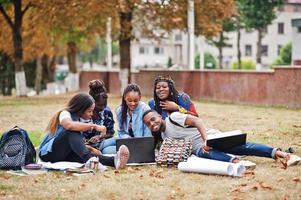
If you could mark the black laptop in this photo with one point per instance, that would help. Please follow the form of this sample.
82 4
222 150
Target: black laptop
226 140
141 149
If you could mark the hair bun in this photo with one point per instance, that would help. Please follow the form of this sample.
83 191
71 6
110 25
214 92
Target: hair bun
97 86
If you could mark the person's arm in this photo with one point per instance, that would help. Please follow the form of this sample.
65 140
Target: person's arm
68 124
197 122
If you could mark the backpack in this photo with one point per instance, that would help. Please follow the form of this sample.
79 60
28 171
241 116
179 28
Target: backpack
16 149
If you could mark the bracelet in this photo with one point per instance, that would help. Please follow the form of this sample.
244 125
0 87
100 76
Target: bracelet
181 109
92 127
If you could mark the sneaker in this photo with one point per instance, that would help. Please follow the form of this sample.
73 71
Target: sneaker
122 157
248 164
293 160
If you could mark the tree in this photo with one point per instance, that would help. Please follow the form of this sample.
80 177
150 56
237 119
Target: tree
16 30
285 56
258 15
222 40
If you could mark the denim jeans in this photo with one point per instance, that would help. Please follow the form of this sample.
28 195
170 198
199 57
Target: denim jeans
108 146
69 146
248 149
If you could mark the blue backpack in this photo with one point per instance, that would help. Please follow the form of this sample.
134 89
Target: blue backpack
16 149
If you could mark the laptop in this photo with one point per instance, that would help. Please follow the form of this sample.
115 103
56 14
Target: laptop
141 149
226 140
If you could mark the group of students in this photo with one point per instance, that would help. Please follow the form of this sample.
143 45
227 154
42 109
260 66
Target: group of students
85 128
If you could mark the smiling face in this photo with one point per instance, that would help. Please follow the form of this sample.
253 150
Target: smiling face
88 112
132 99
153 121
162 90
101 103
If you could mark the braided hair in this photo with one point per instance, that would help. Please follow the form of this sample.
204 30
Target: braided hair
98 90
173 93
124 107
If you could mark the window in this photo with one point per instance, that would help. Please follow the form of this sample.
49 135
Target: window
279 49
143 50
299 29
178 37
264 50
158 50
248 50
280 28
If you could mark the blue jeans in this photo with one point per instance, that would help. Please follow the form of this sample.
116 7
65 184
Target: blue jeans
108 146
248 149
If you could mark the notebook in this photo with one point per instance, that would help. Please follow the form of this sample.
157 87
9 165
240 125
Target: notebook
226 140
141 149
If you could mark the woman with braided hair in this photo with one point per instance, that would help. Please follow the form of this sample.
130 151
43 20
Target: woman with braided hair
168 100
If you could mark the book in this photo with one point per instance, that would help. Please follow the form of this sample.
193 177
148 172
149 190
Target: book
226 140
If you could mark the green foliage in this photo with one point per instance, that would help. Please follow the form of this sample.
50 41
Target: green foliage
245 64
285 57
210 61
258 14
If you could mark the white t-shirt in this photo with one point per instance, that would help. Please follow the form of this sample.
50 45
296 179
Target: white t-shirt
182 131
63 115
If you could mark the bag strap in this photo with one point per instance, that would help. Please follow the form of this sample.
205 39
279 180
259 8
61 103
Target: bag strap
177 124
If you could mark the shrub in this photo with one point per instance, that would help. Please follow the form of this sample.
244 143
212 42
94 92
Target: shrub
210 61
245 64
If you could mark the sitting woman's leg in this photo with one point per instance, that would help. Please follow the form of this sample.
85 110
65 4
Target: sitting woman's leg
108 146
69 146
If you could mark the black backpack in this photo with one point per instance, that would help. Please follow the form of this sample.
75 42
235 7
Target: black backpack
16 149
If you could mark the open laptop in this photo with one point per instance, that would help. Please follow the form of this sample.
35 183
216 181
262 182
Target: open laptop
141 149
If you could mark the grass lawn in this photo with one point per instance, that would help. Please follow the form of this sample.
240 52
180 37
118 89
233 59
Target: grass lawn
278 127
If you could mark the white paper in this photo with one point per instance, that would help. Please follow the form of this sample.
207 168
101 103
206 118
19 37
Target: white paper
61 165
207 166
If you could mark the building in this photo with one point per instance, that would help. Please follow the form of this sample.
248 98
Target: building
152 53
296 41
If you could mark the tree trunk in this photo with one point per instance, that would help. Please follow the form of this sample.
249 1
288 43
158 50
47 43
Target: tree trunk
125 47
259 46
39 75
220 50
20 78
49 67
71 55
238 44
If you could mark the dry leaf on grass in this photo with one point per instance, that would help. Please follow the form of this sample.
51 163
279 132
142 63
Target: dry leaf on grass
106 176
243 184
81 186
116 172
249 173
296 126
235 190
296 180
265 185
156 174
286 198
237 198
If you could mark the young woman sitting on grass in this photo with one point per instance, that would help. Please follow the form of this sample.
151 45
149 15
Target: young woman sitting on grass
64 141
103 116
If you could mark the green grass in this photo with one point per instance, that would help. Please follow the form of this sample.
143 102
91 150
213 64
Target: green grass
278 127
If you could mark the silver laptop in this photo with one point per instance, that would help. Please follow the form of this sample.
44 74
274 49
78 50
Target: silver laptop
141 149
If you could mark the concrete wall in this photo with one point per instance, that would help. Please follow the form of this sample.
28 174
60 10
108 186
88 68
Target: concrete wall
281 86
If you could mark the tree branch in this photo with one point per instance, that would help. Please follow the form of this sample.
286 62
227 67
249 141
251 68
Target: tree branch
26 8
6 17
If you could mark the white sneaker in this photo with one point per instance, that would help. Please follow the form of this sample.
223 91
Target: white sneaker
248 164
293 160
122 157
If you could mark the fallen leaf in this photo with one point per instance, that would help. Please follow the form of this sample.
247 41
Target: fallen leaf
235 190
2 193
156 174
255 187
116 172
243 184
296 180
280 179
258 118
141 176
296 126
237 198
265 185
249 173
81 186
286 197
